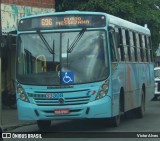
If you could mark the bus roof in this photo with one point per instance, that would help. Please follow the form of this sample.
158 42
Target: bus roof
127 24
111 20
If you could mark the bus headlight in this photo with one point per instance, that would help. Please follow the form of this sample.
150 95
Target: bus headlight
103 90
21 94
105 86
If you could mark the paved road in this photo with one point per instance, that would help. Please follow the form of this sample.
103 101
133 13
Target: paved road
150 124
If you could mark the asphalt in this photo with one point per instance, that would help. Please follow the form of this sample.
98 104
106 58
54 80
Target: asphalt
10 119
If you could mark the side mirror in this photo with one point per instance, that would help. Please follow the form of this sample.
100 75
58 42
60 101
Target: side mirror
111 29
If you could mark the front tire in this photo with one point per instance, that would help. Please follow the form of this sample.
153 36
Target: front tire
116 120
1 130
44 125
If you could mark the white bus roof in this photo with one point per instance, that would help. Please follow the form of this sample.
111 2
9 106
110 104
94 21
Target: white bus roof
126 24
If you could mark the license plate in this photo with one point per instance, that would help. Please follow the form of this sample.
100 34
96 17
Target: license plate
61 111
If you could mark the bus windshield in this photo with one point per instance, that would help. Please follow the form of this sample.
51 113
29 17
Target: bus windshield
44 59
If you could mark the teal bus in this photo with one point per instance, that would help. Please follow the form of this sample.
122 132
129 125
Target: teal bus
81 65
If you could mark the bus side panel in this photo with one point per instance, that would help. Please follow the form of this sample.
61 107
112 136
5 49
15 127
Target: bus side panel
137 76
131 77
126 76
149 81
118 81
133 86
151 78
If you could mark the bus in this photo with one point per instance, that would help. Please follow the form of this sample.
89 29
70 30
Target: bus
82 65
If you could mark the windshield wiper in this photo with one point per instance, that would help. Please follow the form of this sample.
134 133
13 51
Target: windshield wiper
76 40
67 51
45 42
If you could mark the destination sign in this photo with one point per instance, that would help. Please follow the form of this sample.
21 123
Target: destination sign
62 22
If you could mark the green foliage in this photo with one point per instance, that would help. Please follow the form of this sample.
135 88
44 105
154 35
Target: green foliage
137 11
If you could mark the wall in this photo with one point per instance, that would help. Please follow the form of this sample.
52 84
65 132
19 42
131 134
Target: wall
13 10
32 3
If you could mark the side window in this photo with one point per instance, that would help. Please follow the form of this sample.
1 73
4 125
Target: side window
124 44
150 49
146 49
143 48
132 50
135 46
120 47
138 47
128 45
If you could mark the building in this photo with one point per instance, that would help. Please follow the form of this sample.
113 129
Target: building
11 12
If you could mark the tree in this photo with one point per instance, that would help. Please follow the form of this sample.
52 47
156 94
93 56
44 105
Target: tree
138 11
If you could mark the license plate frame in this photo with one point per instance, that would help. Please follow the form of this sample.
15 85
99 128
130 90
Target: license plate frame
61 111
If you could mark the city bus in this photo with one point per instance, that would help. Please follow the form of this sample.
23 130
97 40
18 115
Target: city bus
82 65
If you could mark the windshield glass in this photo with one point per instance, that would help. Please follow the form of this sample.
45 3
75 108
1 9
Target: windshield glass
59 58
157 73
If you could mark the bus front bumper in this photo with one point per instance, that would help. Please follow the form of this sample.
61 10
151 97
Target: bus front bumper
96 109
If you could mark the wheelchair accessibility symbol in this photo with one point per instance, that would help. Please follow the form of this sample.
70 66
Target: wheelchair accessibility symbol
67 77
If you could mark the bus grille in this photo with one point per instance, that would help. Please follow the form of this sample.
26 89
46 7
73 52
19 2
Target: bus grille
40 100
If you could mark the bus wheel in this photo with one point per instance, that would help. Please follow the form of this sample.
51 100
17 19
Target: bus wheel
141 110
1 130
44 125
115 121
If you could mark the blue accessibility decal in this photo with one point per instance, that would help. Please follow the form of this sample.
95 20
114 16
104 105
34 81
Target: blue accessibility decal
67 77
